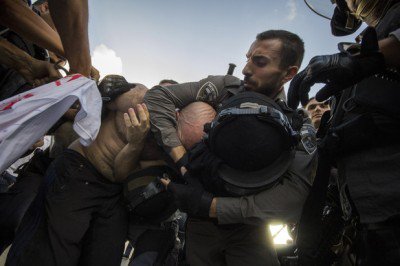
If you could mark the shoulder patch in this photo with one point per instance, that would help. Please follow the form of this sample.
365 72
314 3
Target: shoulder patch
207 93
308 138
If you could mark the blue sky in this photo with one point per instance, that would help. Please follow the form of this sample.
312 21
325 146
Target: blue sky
150 40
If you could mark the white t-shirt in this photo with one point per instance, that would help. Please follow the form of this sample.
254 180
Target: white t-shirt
26 117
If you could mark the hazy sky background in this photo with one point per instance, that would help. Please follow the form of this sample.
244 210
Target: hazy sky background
147 41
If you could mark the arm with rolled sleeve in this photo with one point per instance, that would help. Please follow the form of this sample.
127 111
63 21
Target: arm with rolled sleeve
283 202
163 101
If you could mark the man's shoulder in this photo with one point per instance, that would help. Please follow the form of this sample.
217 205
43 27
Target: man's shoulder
390 22
214 89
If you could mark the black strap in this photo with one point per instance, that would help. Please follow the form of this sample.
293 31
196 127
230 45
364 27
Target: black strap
158 172
183 161
262 111
310 226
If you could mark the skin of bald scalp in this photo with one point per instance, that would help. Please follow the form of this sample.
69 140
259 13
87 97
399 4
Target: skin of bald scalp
111 140
191 121
190 125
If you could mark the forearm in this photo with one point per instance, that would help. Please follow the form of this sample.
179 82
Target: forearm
213 208
162 102
177 153
13 57
390 47
18 17
127 160
71 20
283 202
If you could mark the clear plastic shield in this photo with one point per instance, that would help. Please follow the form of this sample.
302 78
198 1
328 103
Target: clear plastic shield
323 8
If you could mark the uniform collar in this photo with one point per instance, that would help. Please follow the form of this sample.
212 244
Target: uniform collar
281 95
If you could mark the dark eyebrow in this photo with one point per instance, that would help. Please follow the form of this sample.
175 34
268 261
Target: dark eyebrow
261 57
313 105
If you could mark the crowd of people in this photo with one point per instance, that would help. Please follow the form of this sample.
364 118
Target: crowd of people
191 173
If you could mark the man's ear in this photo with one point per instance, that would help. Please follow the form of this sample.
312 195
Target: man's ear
290 73
177 114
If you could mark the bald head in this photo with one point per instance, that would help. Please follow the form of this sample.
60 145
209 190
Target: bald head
191 120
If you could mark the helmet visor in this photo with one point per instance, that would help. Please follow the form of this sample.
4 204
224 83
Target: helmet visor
323 8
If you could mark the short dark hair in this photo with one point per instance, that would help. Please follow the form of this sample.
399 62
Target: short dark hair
328 102
170 81
39 2
309 100
292 46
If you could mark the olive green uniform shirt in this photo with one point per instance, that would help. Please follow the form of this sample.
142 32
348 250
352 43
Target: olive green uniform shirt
282 202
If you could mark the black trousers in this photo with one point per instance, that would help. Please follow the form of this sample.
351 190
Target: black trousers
229 245
379 244
16 201
84 221
13 205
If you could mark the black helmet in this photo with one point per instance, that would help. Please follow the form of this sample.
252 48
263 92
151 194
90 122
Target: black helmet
343 22
111 86
254 140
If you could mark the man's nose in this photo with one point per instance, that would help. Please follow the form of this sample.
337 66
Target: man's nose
247 70
318 108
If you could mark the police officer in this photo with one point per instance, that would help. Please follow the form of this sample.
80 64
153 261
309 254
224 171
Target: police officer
231 230
364 81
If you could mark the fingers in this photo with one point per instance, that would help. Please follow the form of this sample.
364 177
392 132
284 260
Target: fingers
145 109
171 186
299 88
130 118
293 93
127 120
328 91
305 89
56 74
140 119
40 82
133 117
95 74
165 182
142 113
53 72
183 170
369 42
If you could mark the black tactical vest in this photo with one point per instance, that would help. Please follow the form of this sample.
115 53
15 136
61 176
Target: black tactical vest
372 110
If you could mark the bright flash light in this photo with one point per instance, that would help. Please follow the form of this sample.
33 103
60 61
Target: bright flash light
280 234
